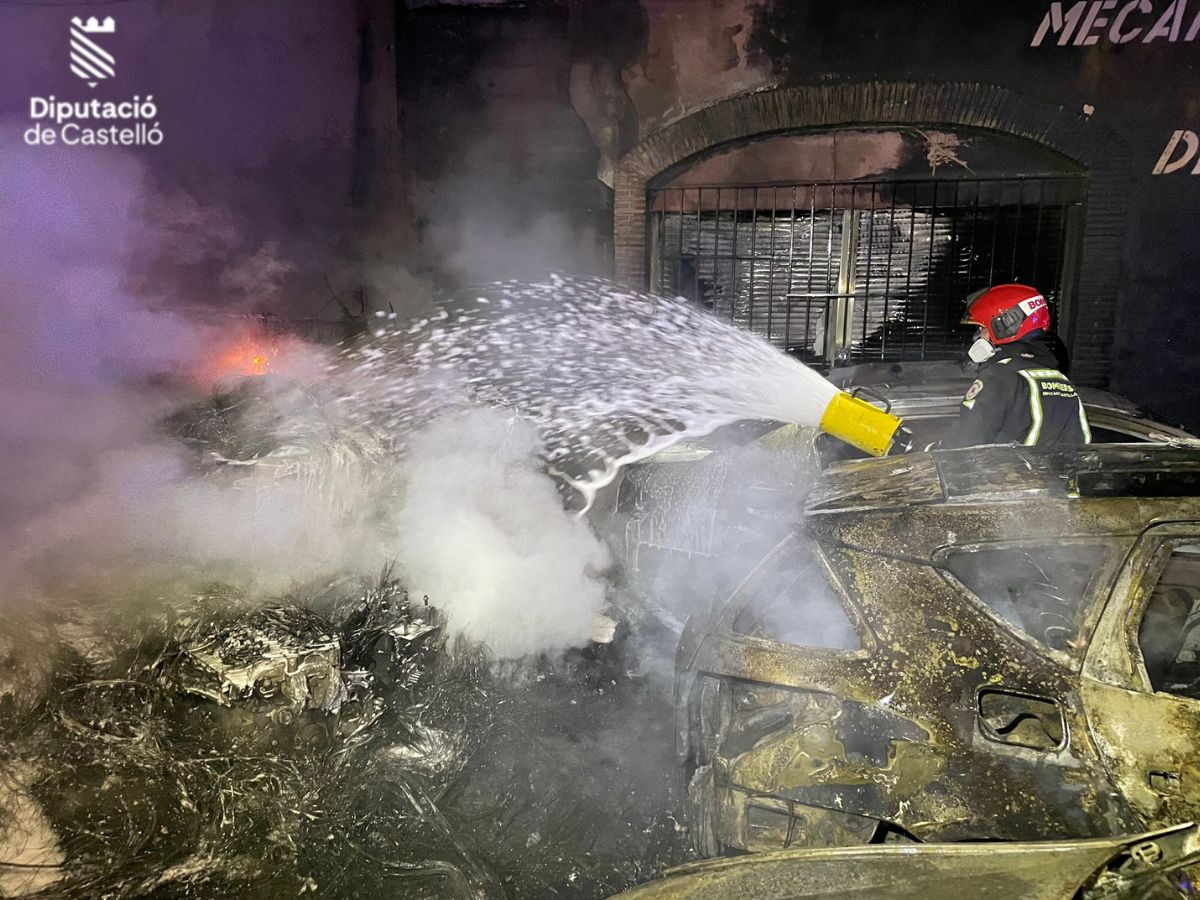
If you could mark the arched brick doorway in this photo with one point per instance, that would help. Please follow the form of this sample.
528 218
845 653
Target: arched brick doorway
1088 146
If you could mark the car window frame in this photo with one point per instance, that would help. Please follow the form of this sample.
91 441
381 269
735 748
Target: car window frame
1094 601
746 593
1160 557
1115 654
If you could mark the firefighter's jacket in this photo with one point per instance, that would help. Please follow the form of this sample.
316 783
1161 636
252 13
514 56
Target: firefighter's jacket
1020 397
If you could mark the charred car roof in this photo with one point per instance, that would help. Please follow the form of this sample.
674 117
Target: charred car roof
999 473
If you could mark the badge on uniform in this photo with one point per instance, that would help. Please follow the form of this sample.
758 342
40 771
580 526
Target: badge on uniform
974 389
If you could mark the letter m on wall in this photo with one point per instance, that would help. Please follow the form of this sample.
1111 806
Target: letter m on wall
1062 24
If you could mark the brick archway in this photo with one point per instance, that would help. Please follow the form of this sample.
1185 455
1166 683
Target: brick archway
1074 135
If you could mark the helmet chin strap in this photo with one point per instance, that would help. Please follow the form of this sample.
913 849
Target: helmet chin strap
981 350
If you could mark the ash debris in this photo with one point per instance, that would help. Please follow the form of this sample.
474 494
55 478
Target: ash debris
164 768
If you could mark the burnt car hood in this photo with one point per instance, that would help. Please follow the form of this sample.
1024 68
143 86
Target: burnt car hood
1005 472
1043 870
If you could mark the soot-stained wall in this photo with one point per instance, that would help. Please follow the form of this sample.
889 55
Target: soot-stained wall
518 119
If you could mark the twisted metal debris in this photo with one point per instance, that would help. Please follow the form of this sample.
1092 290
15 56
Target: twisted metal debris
440 775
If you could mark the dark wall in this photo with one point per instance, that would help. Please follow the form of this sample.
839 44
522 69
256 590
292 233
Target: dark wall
503 171
513 112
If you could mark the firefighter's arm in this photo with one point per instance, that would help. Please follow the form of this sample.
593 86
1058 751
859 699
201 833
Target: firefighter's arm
981 415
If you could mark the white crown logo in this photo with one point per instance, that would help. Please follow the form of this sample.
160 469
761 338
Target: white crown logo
94 26
89 60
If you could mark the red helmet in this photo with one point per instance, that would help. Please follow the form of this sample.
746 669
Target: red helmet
1007 312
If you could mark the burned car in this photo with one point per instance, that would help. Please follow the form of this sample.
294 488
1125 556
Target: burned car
1145 866
997 643
282 661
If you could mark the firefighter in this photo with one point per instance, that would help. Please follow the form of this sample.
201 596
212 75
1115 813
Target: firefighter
1020 396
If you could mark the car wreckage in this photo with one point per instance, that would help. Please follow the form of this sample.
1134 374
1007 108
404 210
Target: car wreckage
1001 643
1146 866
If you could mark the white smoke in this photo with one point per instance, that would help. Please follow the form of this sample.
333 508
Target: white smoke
483 532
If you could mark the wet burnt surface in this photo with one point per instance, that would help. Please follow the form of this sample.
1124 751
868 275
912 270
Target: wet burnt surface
447 775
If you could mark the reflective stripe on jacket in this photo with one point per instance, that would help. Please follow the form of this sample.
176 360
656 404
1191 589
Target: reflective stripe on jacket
1020 397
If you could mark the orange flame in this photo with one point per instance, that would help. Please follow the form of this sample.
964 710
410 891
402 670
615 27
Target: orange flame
247 357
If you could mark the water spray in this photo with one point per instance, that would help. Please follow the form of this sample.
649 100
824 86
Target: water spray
608 376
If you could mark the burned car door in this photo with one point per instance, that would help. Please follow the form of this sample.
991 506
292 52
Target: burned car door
1141 685
1034 603
954 715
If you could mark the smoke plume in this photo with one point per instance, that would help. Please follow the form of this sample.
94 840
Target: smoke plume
97 493
483 527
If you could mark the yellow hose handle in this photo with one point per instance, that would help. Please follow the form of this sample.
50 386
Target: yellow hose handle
860 424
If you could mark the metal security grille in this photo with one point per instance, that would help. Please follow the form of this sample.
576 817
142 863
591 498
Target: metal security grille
845 272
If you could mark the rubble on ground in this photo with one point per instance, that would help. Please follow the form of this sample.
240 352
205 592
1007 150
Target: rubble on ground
332 743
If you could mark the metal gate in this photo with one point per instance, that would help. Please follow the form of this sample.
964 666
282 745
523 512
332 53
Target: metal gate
847 272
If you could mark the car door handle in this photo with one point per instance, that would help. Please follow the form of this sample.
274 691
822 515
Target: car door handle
1023 720
1164 783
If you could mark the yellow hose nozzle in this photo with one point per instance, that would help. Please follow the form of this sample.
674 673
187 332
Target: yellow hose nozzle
860 424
